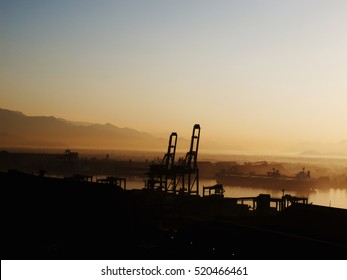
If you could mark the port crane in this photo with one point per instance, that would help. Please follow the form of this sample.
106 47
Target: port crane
181 178
160 175
188 171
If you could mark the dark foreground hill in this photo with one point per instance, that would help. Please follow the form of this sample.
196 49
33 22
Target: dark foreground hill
47 218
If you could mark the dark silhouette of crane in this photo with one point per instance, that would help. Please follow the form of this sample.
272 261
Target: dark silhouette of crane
160 175
181 178
169 158
187 171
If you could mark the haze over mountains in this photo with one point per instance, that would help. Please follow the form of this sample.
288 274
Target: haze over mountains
320 149
19 130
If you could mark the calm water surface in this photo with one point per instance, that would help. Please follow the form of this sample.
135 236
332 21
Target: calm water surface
326 197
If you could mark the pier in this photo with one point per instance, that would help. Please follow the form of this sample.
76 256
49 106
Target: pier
264 201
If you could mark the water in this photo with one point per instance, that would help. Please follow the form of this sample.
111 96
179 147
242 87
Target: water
325 197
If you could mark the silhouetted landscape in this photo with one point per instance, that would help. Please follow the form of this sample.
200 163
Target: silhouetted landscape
81 205
49 132
19 130
173 130
60 219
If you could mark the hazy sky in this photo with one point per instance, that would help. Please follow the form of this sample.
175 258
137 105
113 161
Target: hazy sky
274 72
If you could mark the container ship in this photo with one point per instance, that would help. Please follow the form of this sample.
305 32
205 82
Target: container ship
273 179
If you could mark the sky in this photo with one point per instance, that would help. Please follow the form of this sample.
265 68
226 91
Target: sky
259 75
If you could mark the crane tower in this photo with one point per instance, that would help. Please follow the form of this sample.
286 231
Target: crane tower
181 178
160 175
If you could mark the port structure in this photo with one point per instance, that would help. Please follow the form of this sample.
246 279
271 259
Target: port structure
187 171
161 175
180 178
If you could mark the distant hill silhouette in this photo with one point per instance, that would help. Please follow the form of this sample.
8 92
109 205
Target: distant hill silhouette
19 130
320 149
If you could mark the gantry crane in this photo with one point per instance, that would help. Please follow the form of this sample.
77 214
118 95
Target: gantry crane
187 172
160 174
182 178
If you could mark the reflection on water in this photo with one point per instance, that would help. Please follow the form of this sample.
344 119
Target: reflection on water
330 197
326 197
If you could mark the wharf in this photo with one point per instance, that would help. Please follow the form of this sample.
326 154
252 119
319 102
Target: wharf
50 218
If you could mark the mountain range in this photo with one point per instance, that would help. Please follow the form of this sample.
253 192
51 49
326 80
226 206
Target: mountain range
19 130
319 149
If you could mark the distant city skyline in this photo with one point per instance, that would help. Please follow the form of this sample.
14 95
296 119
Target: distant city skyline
256 75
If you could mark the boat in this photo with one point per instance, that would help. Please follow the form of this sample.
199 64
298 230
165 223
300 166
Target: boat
273 179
